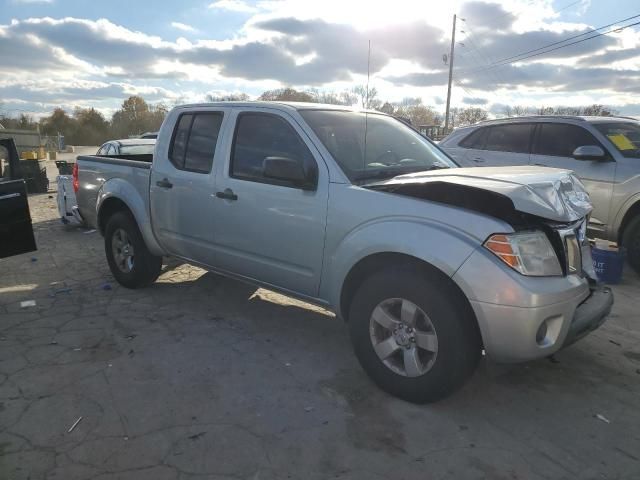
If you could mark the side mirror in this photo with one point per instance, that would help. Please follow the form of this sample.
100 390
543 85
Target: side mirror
589 152
289 170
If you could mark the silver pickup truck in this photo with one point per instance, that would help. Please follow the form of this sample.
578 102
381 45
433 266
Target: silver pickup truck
429 264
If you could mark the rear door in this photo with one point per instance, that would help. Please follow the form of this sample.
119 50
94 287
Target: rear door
553 147
182 186
16 232
499 145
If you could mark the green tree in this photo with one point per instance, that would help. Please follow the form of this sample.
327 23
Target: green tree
92 128
136 117
58 123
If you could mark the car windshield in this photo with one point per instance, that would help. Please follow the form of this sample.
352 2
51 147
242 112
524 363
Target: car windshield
625 136
137 149
374 146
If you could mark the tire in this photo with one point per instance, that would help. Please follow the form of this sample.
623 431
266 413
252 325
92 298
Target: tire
441 311
130 261
631 242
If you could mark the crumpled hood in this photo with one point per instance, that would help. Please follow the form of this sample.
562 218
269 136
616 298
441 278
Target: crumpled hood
550 193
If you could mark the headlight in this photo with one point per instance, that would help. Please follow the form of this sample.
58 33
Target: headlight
529 253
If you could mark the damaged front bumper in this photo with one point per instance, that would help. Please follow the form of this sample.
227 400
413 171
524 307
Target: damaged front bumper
523 318
590 314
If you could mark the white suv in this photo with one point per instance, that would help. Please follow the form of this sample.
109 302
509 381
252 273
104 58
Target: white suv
603 151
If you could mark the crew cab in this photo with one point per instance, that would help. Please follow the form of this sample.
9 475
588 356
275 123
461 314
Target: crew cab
429 264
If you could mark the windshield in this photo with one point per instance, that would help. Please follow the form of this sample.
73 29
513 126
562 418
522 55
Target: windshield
625 136
137 149
389 147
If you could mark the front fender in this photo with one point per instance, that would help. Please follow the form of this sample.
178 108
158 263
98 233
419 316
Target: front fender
124 191
442 246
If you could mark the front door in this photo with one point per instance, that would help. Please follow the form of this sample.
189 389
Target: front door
16 232
270 231
553 147
182 186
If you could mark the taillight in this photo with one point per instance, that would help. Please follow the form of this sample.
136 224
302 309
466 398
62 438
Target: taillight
76 183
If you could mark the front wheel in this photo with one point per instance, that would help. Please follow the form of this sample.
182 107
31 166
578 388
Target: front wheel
631 242
413 334
130 261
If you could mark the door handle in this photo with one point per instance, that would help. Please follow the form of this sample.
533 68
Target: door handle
227 194
478 159
540 164
164 183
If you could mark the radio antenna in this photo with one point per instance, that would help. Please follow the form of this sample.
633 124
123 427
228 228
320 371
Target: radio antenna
366 106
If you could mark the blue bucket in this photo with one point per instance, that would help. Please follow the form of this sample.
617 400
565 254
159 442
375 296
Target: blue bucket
608 265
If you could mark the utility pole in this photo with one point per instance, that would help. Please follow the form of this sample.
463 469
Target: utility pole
453 44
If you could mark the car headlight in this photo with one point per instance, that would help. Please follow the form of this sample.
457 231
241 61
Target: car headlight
529 253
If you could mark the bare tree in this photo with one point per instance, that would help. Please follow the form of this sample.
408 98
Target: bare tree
287 94
228 97
470 115
367 96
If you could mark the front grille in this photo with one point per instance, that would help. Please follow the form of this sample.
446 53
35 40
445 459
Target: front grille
568 240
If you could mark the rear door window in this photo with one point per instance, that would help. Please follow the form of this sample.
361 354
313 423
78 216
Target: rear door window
515 138
561 139
194 141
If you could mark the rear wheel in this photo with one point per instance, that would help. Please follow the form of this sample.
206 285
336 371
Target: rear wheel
413 334
130 261
631 242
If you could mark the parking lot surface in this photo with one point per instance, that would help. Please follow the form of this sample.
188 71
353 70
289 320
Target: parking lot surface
204 377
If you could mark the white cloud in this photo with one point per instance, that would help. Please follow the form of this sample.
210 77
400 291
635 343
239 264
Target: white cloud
233 6
183 26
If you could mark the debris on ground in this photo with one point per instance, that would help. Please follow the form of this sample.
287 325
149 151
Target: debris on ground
130 337
77 349
308 409
75 424
27 304
615 343
106 286
87 232
602 418
196 436
34 259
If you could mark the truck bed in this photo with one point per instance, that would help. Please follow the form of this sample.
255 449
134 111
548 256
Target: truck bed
94 171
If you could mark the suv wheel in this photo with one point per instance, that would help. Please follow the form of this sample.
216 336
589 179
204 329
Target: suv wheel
631 242
413 335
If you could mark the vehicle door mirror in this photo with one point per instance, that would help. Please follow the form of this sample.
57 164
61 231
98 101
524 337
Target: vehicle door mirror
289 170
589 152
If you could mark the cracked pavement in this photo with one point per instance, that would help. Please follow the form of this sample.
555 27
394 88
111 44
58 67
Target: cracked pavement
202 377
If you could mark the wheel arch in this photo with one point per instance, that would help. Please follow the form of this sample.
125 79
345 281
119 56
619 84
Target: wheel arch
632 212
380 261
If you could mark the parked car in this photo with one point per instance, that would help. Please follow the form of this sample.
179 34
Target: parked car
152 135
428 263
16 230
128 146
603 151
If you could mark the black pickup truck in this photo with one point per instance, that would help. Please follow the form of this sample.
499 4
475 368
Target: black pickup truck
16 231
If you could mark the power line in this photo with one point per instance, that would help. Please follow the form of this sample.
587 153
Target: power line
569 44
570 38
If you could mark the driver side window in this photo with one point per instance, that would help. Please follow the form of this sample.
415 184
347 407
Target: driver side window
262 135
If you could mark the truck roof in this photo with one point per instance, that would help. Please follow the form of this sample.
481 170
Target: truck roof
281 105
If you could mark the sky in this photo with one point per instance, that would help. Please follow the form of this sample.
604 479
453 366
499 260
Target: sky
81 53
